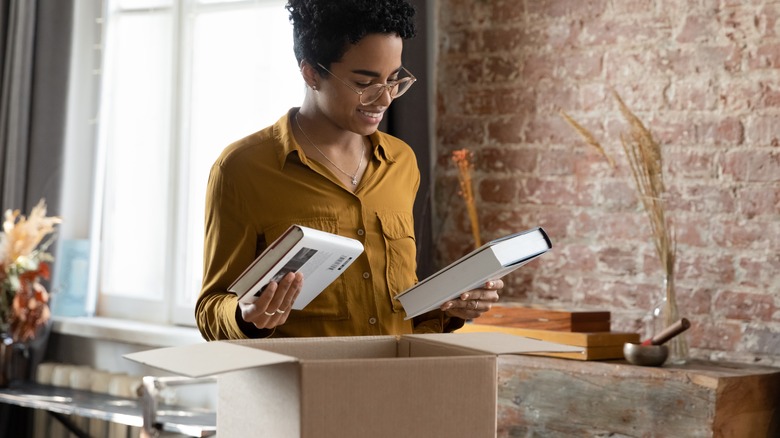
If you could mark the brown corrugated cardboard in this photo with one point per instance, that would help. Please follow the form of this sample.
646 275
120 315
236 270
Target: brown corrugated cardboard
383 386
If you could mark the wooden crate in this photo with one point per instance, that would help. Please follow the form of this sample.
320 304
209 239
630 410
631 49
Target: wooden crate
546 319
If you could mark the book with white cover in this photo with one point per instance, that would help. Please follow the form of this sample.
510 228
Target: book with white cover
492 260
320 256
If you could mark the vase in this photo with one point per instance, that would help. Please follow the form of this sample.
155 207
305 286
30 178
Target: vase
664 314
19 360
12 355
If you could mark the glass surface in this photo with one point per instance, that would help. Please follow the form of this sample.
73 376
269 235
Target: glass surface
176 91
244 77
135 208
143 4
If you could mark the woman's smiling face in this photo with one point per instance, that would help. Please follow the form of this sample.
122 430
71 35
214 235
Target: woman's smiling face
375 59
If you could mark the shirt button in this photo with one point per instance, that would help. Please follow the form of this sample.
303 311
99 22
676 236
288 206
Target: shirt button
361 232
366 275
372 320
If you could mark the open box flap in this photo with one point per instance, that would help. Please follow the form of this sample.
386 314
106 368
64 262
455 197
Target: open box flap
208 358
497 343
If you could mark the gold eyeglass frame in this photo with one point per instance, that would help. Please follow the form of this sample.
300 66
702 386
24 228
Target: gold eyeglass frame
387 87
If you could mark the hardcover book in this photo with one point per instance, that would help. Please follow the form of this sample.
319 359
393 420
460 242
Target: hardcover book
490 261
596 346
320 256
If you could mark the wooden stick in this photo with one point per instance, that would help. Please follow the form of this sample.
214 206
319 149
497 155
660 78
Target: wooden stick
668 333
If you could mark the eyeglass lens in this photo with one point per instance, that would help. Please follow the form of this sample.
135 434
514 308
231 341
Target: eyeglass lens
374 92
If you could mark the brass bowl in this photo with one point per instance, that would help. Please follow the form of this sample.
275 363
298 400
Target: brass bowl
645 355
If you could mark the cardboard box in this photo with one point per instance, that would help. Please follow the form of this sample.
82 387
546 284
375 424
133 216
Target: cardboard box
378 386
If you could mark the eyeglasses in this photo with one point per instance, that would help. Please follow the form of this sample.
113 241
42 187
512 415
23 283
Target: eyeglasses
372 93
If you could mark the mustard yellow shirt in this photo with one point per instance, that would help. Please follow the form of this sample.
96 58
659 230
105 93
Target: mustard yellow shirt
262 184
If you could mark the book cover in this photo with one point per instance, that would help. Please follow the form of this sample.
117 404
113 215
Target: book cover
492 260
320 256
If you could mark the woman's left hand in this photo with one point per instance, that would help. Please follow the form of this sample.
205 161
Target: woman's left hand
475 302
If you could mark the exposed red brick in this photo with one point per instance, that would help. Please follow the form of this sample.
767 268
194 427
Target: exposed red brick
499 190
714 269
767 19
701 75
744 306
562 8
698 29
507 130
703 197
501 159
758 273
505 39
717 335
460 72
759 201
689 164
761 340
764 130
694 95
766 56
499 69
461 132
752 165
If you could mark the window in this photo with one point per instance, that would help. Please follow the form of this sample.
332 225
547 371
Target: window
179 81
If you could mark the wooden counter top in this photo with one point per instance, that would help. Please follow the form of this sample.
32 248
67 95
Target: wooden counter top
550 397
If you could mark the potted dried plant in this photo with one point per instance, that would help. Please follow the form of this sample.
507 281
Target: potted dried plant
24 301
646 161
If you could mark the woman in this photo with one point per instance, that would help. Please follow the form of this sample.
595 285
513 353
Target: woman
325 165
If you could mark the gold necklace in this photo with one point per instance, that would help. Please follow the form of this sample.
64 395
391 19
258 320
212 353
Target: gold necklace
353 176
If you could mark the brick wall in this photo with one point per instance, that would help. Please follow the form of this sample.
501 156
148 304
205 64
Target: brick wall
703 75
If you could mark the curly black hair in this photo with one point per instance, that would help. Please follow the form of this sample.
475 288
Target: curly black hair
323 29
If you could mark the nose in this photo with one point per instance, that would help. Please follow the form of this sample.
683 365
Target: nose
385 98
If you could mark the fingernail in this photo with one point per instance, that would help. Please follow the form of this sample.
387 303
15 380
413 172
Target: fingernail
490 285
464 296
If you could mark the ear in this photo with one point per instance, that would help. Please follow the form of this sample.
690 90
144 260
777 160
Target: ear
310 75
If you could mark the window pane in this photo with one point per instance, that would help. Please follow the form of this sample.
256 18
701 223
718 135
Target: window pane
137 96
143 4
244 77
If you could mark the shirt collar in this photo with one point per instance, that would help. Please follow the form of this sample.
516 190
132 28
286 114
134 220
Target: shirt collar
283 131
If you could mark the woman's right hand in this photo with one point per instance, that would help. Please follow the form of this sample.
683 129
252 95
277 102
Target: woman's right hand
273 306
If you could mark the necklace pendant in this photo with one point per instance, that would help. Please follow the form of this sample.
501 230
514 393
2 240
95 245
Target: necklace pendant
354 180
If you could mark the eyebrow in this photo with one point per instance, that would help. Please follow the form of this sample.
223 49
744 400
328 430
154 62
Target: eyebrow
373 74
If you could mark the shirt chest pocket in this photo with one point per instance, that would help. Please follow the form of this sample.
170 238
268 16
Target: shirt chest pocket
400 253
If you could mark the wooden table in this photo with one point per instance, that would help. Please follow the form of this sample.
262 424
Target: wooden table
551 397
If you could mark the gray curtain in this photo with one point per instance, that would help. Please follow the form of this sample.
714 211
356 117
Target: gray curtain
34 52
407 119
35 43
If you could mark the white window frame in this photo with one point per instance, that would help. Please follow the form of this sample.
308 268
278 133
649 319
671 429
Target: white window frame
86 137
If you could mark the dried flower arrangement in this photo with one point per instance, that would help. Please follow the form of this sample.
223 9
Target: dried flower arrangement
24 261
462 159
646 161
